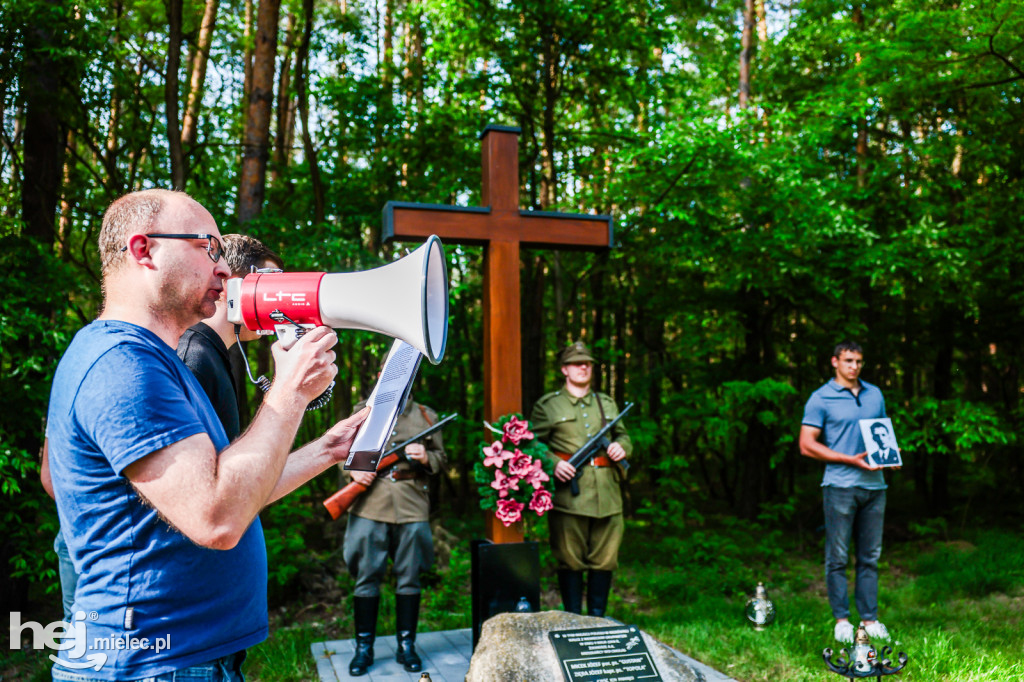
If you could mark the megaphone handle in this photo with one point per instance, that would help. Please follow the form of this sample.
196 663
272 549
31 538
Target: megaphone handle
264 383
285 333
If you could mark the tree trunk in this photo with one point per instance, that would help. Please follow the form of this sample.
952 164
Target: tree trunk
255 149
44 137
942 373
64 225
302 97
171 94
285 129
416 64
381 187
197 78
532 330
746 51
247 36
43 78
108 157
549 179
862 123
601 313
10 145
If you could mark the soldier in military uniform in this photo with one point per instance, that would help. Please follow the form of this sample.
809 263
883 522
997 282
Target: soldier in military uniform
586 529
392 519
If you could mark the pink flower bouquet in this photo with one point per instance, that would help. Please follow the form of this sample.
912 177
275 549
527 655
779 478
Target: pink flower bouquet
514 472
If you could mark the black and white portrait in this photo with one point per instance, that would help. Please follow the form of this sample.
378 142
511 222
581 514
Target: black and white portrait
881 442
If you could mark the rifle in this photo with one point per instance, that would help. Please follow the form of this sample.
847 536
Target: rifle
589 449
338 503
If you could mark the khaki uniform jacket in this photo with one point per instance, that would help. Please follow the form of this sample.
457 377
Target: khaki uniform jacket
408 501
564 423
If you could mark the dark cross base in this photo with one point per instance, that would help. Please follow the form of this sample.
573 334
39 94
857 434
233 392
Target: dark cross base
505 578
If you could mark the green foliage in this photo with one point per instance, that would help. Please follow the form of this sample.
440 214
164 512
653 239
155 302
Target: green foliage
969 430
446 605
930 528
34 328
288 554
870 188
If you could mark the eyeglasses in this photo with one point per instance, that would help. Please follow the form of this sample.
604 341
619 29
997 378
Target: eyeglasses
213 246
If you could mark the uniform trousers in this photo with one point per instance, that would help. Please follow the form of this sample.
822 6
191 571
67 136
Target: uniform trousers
585 543
368 544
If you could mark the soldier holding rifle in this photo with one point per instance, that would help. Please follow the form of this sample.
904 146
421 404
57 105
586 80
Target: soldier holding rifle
586 529
392 519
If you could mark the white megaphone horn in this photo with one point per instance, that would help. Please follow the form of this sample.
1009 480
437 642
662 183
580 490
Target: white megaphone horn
407 299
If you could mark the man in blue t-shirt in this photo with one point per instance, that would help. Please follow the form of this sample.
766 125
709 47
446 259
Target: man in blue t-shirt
853 489
159 512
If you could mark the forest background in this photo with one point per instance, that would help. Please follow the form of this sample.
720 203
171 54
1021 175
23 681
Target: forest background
782 175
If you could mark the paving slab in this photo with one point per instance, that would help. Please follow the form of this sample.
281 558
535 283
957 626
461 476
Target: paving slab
445 656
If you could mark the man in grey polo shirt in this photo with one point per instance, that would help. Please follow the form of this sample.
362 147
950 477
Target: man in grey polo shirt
853 490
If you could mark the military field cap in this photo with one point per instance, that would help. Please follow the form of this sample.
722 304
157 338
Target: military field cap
577 352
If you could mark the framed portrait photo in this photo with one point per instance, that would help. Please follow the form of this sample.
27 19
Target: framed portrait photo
880 440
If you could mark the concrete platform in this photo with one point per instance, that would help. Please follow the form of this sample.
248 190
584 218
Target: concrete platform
445 656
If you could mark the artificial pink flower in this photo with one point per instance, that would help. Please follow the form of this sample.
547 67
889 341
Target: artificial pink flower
509 511
541 501
535 475
520 464
517 430
503 483
495 455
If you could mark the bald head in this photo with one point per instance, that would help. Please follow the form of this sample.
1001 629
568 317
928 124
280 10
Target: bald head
135 213
162 265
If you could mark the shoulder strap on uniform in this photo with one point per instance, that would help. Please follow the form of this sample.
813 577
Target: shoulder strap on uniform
600 408
426 417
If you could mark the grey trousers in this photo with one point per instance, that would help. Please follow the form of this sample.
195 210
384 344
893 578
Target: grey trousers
368 544
858 514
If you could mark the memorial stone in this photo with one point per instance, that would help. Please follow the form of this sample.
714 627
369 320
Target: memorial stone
517 646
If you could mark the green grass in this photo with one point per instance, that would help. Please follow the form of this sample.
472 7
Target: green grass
955 607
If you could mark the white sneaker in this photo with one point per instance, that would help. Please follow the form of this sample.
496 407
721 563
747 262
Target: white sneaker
876 630
844 632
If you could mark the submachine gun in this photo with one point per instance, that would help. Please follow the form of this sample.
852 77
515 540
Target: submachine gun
338 503
593 446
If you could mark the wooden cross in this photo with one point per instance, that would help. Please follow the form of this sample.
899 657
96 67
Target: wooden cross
502 228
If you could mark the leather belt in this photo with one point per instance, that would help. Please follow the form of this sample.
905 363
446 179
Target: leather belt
401 475
599 461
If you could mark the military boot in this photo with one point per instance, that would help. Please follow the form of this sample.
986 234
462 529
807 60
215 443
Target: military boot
570 584
599 584
407 615
366 632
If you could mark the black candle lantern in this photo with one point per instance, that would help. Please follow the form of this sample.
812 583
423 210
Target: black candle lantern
865 661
